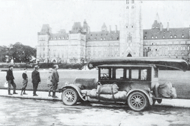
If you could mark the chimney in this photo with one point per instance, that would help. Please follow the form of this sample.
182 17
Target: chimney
161 27
115 28
167 26
110 28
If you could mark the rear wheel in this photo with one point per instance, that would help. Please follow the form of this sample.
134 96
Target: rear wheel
69 96
137 101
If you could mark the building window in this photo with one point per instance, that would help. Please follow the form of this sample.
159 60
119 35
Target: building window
156 37
144 37
132 1
175 36
152 37
127 1
182 36
171 36
127 7
163 37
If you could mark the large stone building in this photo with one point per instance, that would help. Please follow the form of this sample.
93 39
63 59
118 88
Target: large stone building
81 44
166 42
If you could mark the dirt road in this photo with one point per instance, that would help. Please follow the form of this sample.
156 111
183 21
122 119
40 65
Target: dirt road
23 112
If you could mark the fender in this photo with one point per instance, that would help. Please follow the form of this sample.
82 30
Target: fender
77 89
148 95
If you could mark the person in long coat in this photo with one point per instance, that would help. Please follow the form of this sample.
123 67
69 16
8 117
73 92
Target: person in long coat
10 78
55 80
35 79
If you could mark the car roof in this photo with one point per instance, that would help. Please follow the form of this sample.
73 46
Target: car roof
172 63
128 65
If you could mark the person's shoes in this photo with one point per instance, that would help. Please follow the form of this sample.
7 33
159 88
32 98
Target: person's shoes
49 95
24 93
54 97
15 93
35 95
9 94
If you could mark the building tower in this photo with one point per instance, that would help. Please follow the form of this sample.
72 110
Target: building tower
131 35
43 43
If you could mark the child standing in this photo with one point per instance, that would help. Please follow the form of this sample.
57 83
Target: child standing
24 82
49 81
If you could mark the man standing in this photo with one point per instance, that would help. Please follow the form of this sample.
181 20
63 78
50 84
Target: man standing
10 79
55 80
35 80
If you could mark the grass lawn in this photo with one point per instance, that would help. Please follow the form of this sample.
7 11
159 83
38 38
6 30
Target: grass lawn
179 79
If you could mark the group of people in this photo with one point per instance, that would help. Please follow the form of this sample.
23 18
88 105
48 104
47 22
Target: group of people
52 81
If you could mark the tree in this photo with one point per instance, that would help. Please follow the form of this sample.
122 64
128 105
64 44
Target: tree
18 52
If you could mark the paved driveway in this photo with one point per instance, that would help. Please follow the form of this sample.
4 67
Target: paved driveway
27 112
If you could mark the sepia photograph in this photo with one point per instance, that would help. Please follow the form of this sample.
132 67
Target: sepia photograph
95 63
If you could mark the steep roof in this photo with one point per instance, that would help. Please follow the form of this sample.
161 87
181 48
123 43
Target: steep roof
45 29
76 28
103 36
60 35
172 33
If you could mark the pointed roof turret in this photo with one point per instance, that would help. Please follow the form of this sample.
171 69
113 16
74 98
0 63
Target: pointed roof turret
157 18
104 27
157 23
85 27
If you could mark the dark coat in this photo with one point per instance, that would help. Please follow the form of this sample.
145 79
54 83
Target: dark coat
9 75
24 76
55 77
35 77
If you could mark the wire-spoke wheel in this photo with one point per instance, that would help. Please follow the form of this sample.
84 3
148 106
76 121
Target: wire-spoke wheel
69 96
137 101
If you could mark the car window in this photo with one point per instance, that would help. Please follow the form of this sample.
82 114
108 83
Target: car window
104 73
119 73
144 74
134 74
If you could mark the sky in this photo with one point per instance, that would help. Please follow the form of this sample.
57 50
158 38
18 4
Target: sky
20 20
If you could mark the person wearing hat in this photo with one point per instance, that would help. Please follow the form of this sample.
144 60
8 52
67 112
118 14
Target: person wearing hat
55 80
35 79
10 79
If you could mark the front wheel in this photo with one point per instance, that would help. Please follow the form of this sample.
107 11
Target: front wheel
69 96
137 101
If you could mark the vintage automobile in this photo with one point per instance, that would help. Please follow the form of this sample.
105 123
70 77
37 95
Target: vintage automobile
132 81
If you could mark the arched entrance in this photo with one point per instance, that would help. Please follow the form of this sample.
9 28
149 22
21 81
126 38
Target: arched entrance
129 55
54 61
